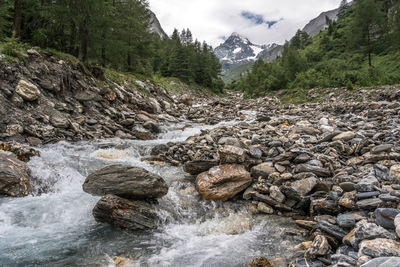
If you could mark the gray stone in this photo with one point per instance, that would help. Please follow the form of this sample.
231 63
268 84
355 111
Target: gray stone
319 247
142 134
263 170
298 189
346 221
385 217
304 262
255 152
383 262
381 148
347 186
276 194
395 173
231 154
125 214
319 171
367 184
366 195
369 204
331 230
380 247
367 231
346 136
196 167
125 181
59 120
264 208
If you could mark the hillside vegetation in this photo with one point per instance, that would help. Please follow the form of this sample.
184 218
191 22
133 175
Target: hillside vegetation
362 48
109 33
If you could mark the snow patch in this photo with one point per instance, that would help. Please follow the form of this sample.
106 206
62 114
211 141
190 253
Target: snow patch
237 50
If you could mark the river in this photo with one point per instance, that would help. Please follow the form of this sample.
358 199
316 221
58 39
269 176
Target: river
54 226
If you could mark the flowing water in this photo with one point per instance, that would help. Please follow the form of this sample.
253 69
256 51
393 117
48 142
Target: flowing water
55 227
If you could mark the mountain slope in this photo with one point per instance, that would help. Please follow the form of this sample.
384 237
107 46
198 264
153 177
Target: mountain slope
155 25
319 24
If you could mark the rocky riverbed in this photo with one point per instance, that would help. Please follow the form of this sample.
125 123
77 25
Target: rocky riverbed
99 172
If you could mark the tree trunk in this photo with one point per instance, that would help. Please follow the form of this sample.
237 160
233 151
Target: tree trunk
84 36
17 19
72 39
369 49
103 47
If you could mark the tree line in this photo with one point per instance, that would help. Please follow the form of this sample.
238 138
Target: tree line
361 48
110 33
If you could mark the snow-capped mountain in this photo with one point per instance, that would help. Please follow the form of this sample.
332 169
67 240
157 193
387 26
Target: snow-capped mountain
238 50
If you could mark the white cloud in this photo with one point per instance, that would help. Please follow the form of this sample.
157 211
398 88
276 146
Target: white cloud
210 20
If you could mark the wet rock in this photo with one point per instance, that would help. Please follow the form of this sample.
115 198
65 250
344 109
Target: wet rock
125 214
319 171
223 182
309 225
319 247
231 154
385 217
14 177
22 152
125 181
260 262
27 90
383 262
298 189
262 170
196 167
142 134
331 230
14 129
346 136
159 149
152 127
33 141
346 221
380 247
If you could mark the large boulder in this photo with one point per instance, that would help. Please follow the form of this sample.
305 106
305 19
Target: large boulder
27 90
125 214
125 181
14 177
223 182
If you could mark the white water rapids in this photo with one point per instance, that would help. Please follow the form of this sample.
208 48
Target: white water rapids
55 227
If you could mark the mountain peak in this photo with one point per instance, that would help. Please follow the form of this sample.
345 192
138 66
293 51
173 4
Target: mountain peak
238 50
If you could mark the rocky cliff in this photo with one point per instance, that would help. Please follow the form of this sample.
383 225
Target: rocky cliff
46 98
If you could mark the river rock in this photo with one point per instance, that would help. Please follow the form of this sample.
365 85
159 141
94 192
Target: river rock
395 173
59 120
264 208
186 100
397 225
380 247
125 181
27 90
125 214
319 171
381 148
346 221
367 231
14 177
231 154
255 152
383 262
260 262
385 217
347 186
331 229
276 194
298 189
262 170
223 182
369 204
319 247
142 134
346 136
305 262
196 167
367 184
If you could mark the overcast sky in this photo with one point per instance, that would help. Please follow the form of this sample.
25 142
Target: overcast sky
262 21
